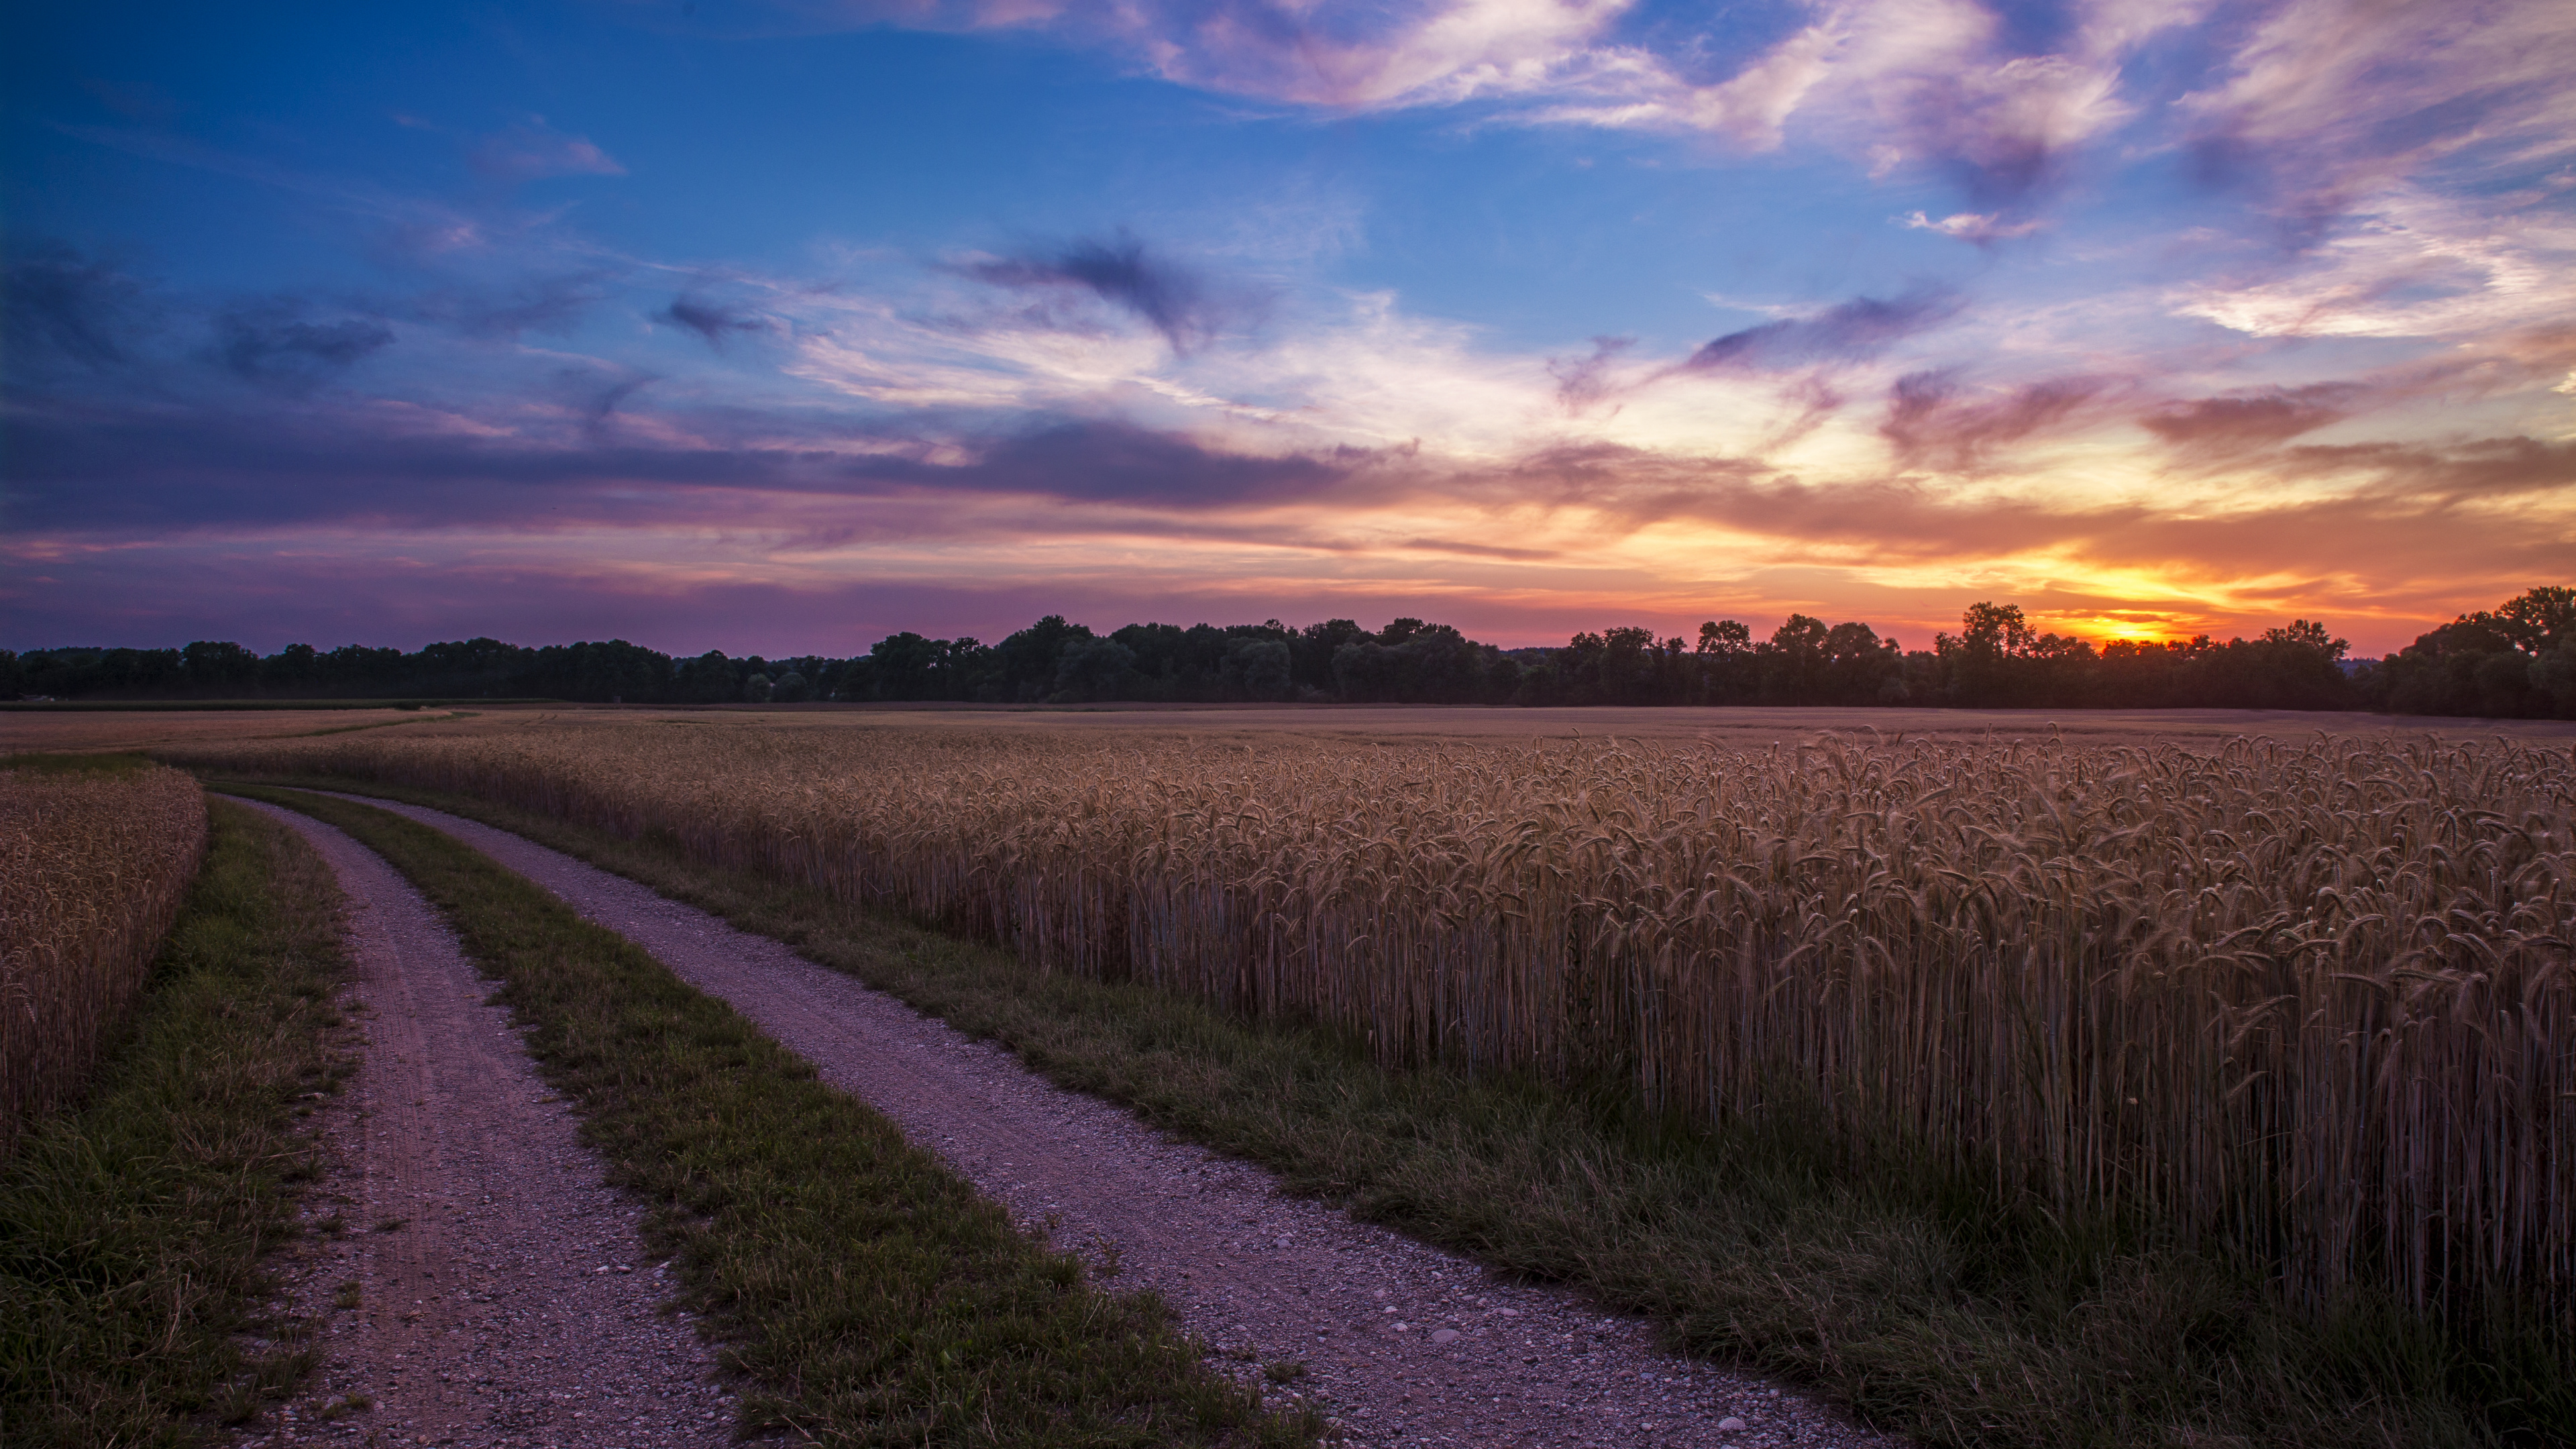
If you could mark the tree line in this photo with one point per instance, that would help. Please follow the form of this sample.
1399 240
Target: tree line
2517 660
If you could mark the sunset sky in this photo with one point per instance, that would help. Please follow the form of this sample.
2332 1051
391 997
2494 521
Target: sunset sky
780 327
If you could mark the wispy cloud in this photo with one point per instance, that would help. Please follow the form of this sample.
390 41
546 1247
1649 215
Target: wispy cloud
2407 263
2324 101
273 342
1861 327
73 306
1933 420
1971 226
2225 426
534 151
1173 299
713 321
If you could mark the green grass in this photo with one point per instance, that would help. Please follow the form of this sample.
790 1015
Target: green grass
1904 1297
870 1294
131 1230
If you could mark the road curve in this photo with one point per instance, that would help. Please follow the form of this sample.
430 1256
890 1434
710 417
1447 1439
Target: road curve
501 1296
1403 1344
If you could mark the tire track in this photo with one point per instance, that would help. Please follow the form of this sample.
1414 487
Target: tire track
501 1295
1404 1344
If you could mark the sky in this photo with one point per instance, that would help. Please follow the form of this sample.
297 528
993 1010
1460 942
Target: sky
780 327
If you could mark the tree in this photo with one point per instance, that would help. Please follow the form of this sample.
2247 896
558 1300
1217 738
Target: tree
1861 668
1258 669
1029 658
214 668
1089 669
1311 653
2537 619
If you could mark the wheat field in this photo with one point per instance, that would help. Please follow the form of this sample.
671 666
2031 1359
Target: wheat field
2309 1002
93 867
91 731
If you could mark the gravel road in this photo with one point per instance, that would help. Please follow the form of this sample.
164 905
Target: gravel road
486 1287
1402 1344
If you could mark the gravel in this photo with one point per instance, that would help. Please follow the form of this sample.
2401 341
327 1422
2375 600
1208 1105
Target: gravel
1399 1343
481 1284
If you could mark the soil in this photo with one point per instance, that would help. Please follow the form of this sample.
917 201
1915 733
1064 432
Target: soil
475 1280
1399 1343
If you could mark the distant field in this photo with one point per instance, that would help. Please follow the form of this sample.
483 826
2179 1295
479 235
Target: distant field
83 730
226 706
121 730
1731 725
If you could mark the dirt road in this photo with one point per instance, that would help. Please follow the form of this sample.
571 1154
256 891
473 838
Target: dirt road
1401 1343
487 1287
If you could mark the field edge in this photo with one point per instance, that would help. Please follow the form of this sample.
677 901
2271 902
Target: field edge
136 1229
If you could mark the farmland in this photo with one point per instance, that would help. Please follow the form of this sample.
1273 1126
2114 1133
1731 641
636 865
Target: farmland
94 863
147 728
2305 1000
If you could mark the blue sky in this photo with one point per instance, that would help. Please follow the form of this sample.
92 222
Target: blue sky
782 327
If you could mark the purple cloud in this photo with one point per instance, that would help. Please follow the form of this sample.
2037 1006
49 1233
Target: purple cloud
712 321
61 303
1172 299
270 343
1859 328
1120 462
546 303
1931 422
2219 426
1582 382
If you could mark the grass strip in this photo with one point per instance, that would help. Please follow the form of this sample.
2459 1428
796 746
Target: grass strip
1906 1298
132 1229
872 1295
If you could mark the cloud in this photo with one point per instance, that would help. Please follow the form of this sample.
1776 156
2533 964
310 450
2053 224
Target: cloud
712 321
551 304
269 342
1483 550
2003 127
2241 422
69 306
1118 462
533 151
2405 263
1861 327
1981 228
115 465
1929 79
2481 471
1412 52
1932 421
2322 103
1584 381
1170 298
603 402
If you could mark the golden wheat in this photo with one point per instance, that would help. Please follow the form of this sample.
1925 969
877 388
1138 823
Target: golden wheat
93 867
2311 1003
